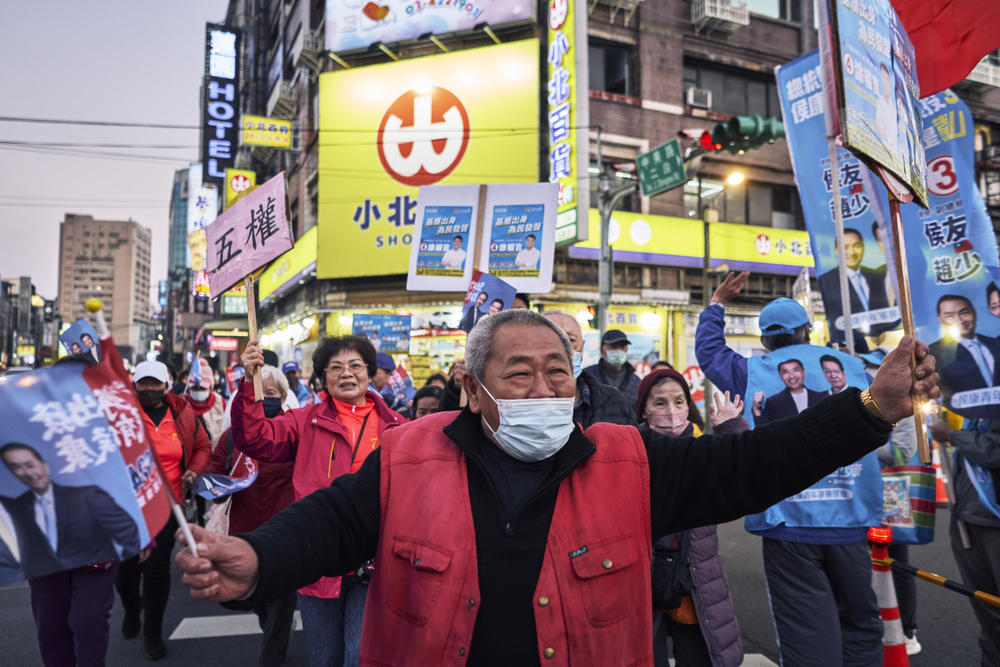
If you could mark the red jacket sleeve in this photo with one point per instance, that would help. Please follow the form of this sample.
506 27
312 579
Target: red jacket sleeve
275 439
217 463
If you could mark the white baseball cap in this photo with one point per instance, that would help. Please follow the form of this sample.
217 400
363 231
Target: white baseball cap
151 369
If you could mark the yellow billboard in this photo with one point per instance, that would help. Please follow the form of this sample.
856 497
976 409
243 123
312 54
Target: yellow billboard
239 182
659 239
295 264
270 132
465 117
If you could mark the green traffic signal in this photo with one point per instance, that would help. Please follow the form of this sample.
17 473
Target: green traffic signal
742 133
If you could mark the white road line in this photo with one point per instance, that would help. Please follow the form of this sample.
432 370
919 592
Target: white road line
229 625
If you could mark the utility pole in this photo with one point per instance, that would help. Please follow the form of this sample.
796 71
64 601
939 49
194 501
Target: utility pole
608 199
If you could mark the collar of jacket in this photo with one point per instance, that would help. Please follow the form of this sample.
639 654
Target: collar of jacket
610 371
466 431
326 416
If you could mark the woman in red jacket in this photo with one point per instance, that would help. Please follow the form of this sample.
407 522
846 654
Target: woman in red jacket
325 440
270 493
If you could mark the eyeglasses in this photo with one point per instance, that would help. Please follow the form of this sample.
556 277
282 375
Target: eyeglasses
355 369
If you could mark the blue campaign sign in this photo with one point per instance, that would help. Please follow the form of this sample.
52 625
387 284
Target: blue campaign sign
486 295
951 253
874 308
444 241
878 89
388 333
781 384
516 239
80 338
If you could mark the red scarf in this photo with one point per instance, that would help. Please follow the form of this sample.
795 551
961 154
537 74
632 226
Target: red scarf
200 408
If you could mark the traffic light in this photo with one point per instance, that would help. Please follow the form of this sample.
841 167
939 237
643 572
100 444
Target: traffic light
595 316
707 142
742 133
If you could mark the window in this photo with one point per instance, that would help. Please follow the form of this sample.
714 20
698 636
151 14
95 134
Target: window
613 68
789 10
749 203
734 92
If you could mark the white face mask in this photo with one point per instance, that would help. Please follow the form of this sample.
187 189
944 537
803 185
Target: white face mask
616 357
199 395
577 364
532 429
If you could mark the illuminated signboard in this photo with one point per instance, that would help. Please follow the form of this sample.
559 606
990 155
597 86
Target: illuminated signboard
238 181
356 24
220 102
263 131
467 117
569 116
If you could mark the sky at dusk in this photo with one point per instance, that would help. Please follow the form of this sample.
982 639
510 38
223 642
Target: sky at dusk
110 60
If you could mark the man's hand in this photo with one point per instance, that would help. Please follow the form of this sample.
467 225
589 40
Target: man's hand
252 358
758 403
940 430
725 409
895 381
187 479
730 287
458 371
225 569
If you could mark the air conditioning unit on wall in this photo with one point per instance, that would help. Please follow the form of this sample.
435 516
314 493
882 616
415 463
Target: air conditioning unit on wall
699 97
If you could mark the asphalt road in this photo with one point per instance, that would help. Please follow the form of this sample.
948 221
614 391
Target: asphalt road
206 634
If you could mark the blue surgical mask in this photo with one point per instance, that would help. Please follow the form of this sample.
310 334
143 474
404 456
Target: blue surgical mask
532 429
616 357
577 364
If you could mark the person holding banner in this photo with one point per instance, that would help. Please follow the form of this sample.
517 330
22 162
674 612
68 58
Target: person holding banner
506 535
325 440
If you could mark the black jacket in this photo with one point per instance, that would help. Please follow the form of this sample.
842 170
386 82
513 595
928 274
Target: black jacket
984 449
693 482
602 403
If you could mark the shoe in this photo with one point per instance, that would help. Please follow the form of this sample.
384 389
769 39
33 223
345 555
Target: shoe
131 625
154 648
912 645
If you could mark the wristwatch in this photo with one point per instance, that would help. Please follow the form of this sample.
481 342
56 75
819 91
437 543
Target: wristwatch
872 406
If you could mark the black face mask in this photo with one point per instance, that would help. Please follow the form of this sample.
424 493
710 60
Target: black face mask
179 387
150 398
272 406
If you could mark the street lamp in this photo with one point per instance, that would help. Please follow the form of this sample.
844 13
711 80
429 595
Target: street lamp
735 178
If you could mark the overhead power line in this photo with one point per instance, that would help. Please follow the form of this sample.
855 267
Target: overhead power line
102 123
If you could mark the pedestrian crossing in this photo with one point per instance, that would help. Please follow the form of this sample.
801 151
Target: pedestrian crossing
228 625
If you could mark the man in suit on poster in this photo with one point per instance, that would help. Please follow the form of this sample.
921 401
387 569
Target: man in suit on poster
966 360
791 400
867 286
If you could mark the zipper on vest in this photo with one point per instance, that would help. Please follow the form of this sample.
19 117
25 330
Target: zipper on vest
508 531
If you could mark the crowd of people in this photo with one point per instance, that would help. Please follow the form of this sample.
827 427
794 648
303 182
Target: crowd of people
417 530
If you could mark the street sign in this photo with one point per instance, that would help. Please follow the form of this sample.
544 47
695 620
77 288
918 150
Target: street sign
661 169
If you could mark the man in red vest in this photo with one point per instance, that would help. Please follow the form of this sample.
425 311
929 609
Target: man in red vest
505 535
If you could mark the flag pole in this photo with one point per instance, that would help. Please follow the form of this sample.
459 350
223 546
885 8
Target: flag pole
906 312
97 308
838 218
258 387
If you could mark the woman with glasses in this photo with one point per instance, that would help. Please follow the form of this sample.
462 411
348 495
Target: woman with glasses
325 440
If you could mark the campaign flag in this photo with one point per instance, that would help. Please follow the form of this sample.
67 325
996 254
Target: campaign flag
486 295
248 235
949 37
80 482
982 481
400 387
388 333
212 486
871 281
781 384
80 338
951 253
233 376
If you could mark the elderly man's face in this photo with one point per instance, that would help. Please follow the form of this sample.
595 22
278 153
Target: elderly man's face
571 328
528 361
834 375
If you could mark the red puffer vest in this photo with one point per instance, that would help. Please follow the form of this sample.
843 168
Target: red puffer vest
593 596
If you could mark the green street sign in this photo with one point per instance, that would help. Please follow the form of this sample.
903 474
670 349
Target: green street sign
661 169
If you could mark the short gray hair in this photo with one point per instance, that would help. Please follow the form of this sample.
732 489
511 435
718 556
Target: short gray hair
479 344
563 313
273 374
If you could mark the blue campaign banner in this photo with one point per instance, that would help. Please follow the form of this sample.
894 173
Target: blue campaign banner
444 241
951 253
80 338
78 481
212 486
388 333
515 240
874 308
781 384
879 92
982 481
487 295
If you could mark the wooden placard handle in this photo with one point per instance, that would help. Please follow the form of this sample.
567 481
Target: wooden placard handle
258 387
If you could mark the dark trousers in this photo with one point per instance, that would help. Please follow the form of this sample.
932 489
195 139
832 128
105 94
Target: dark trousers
71 611
905 584
980 568
689 647
154 575
824 608
275 620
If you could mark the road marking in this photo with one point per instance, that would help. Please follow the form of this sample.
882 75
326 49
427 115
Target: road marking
752 660
230 625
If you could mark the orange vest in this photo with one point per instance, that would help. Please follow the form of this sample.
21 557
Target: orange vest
592 605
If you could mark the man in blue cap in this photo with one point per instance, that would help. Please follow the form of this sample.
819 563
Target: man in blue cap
818 569
299 388
385 365
613 369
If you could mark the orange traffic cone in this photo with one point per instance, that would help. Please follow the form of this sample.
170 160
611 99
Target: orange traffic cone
942 479
893 639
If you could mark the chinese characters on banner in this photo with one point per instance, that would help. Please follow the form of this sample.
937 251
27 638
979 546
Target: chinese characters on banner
250 233
387 333
874 309
877 87
519 241
444 241
514 240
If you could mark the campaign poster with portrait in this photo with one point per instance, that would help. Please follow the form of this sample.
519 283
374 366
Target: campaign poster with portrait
212 486
445 237
782 384
876 77
519 241
388 333
870 277
486 295
951 254
81 338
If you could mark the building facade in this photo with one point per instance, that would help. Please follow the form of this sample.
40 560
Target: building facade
108 260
